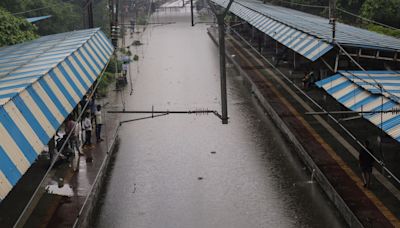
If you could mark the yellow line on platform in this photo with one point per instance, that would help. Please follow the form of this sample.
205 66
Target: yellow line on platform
384 210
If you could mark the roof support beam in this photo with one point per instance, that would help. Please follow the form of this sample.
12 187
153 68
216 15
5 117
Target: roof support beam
336 63
329 66
395 57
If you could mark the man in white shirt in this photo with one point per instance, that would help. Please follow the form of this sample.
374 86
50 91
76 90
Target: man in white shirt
87 126
99 123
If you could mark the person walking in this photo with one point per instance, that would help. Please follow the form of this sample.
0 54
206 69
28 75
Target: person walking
70 128
87 126
99 123
366 162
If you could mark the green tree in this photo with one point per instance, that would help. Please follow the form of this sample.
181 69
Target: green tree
14 30
101 15
384 11
66 14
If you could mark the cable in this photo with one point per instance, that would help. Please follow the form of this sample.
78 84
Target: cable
378 44
32 10
318 106
366 19
378 85
305 5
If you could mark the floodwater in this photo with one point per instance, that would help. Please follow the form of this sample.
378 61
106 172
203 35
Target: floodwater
190 170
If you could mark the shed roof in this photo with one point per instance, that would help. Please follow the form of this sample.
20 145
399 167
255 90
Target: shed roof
36 19
288 24
368 91
41 82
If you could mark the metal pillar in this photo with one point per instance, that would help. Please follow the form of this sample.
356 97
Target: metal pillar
332 18
221 33
191 11
88 14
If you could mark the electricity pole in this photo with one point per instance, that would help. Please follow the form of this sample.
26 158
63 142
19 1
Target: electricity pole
191 11
88 14
114 27
332 18
220 15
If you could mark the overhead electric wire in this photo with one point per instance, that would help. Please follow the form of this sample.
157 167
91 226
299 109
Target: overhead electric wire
44 7
305 5
316 23
366 19
378 85
32 10
397 179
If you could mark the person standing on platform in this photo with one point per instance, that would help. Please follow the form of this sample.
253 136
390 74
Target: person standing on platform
87 126
366 163
92 106
99 123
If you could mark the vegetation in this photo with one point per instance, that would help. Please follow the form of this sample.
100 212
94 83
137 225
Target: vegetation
384 30
101 15
111 66
108 78
67 15
383 11
14 30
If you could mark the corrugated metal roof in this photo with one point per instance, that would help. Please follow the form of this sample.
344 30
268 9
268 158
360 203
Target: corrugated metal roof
35 19
361 91
308 46
318 26
41 81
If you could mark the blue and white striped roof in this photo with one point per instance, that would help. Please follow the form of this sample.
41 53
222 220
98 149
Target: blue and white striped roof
293 29
41 82
309 46
360 91
36 19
